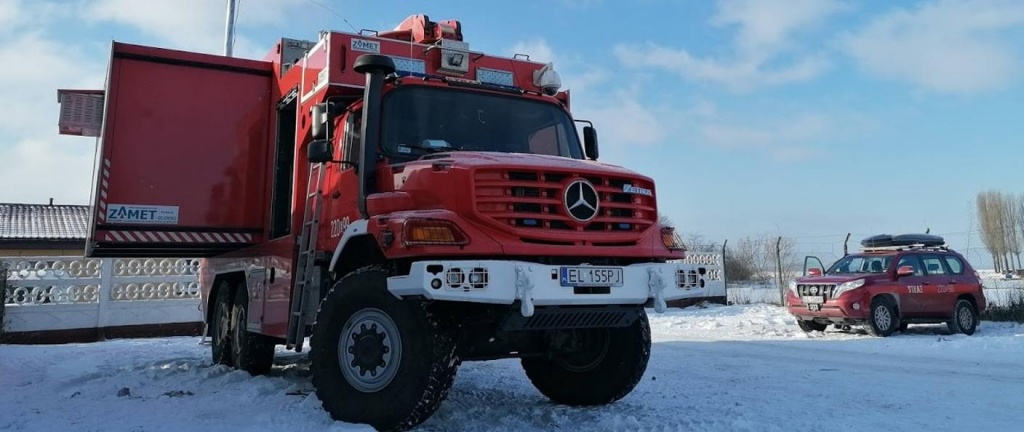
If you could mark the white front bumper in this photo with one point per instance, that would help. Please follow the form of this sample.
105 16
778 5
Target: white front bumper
537 284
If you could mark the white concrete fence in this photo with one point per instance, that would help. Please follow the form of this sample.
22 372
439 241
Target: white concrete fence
55 294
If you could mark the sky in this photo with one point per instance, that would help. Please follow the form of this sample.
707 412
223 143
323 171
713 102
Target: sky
808 119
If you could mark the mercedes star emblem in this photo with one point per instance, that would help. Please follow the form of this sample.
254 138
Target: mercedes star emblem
581 200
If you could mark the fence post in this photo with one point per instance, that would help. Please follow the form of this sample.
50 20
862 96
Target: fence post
103 296
725 278
778 271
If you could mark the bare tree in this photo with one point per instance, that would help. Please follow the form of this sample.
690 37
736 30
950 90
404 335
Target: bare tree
697 243
664 220
992 227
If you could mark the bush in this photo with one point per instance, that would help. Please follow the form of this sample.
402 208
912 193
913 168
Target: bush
1014 311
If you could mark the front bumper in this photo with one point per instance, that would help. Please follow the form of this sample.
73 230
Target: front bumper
840 310
540 285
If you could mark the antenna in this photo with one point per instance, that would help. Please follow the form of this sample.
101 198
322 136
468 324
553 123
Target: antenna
229 28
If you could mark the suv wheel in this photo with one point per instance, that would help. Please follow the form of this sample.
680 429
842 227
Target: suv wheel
964 319
883 319
811 326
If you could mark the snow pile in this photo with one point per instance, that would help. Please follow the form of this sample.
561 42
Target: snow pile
721 368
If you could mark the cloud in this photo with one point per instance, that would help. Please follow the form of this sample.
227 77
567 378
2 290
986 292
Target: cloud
788 140
195 25
948 46
538 49
764 35
38 163
617 112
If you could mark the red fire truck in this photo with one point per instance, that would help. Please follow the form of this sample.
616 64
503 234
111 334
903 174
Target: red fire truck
405 202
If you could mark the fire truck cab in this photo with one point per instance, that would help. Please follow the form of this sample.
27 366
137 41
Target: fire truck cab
405 202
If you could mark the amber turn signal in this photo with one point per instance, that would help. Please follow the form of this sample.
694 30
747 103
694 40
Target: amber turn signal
433 232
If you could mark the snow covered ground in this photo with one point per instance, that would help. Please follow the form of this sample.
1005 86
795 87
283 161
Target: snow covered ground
724 368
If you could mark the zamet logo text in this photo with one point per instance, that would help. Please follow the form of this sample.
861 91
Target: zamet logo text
628 188
142 214
365 46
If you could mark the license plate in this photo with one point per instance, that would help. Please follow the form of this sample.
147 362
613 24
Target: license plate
814 307
590 276
814 299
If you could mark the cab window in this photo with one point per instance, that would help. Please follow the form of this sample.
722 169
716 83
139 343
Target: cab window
353 129
913 262
955 265
933 265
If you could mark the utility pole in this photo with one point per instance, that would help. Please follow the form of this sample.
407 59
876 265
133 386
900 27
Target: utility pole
229 28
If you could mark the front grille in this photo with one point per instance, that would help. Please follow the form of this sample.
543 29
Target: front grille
533 200
825 290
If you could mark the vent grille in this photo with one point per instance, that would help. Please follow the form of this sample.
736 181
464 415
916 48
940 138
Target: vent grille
825 290
533 201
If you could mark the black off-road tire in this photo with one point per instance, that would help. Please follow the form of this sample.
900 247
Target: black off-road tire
877 325
811 326
426 361
968 322
609 377
220 325
251 352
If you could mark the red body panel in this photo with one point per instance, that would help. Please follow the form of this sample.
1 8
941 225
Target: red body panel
183 131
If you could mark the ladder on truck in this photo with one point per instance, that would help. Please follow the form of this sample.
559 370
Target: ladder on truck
306 292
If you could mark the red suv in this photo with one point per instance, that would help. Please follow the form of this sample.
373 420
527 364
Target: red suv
892 282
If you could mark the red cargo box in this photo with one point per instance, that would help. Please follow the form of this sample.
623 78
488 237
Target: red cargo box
182 166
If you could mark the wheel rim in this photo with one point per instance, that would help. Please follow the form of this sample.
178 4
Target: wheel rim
593 349
965 318
369 350
238 331
883 319
223 318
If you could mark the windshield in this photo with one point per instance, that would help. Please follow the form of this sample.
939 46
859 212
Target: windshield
861 264
420 119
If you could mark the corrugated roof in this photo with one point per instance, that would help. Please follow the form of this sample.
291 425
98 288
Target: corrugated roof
43 222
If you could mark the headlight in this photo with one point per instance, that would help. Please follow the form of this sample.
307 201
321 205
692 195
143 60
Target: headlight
792 287
847 286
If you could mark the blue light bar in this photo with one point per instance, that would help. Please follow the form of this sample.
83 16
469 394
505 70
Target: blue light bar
495 77
409 65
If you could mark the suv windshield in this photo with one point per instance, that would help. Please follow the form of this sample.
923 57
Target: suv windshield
420 119
861 264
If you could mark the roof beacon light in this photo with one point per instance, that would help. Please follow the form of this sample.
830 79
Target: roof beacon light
547 79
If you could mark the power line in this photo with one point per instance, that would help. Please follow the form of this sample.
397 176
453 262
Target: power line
335 13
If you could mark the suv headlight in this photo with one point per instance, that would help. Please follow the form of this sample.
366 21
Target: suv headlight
792 288
847 286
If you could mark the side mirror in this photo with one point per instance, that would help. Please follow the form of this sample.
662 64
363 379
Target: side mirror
319 151
318 121
905 271
590 142
814 272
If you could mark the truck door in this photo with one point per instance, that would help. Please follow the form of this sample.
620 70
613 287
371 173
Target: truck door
939 290
341 191
181 164
813 267
910 287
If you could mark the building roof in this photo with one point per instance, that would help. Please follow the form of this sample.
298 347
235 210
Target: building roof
41 222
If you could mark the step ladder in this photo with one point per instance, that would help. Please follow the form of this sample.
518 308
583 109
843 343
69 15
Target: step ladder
305 293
